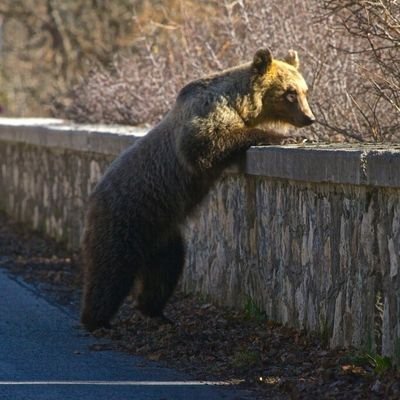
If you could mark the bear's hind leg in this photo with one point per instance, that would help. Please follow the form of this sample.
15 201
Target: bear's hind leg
106 286
161 277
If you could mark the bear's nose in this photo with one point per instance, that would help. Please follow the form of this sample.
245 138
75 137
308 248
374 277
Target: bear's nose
309 119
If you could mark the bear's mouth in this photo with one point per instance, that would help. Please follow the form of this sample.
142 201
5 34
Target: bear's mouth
278 126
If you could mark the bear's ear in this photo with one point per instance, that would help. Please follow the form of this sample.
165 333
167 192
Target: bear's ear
262 60
292 58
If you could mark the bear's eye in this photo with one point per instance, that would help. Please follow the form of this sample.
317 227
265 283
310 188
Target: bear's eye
291 96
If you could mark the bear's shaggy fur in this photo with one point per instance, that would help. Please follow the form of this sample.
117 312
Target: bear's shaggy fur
132 238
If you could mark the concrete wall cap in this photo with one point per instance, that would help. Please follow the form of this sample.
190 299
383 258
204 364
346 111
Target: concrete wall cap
356 164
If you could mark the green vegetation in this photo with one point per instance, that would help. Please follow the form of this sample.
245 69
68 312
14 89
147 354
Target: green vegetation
252 311
380 365
245 358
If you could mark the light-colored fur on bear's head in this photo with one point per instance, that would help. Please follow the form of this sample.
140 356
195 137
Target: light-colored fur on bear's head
265 92
280 92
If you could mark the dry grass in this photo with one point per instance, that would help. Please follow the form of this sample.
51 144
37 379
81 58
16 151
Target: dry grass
47 44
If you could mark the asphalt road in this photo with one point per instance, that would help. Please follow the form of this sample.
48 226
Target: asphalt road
45 355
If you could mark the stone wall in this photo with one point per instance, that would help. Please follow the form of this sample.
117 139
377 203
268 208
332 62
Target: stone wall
48 169
311 234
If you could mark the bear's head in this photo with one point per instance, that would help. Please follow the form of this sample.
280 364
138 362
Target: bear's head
280 90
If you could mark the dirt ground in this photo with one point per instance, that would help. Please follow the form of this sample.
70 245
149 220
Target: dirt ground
209 342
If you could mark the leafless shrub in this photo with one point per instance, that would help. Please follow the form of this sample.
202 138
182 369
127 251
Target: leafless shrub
372 33
142 52
199 40
202 39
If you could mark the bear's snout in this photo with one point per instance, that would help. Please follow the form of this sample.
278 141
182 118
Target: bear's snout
308 120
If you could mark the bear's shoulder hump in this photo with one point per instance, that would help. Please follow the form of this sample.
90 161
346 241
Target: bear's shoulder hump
192 89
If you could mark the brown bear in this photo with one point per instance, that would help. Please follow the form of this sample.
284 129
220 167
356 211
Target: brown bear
132 238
